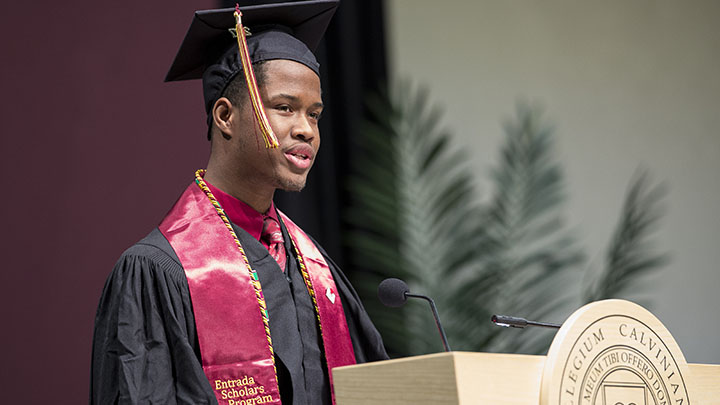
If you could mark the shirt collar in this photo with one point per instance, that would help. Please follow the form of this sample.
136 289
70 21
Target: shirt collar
242 214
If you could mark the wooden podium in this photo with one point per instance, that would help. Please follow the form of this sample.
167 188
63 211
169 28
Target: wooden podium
609 352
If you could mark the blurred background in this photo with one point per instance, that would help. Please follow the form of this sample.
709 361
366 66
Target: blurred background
598 121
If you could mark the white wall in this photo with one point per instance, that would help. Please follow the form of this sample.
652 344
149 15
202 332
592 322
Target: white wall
627 84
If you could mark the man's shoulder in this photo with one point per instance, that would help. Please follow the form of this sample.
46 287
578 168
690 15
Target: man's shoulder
153 245
152 253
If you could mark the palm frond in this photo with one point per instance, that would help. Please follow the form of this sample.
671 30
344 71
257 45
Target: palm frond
416 216
629 256
427 216
533 253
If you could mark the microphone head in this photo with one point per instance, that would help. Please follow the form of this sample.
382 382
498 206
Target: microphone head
391 292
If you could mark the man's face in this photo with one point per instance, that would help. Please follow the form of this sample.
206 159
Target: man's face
293 104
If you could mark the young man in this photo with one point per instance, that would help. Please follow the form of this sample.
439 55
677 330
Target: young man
228 301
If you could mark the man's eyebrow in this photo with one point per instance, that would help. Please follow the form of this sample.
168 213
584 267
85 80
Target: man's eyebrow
295 98
287 96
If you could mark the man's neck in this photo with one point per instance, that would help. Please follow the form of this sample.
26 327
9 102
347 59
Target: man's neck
259 198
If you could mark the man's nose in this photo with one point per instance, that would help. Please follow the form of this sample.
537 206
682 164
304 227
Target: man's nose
304 129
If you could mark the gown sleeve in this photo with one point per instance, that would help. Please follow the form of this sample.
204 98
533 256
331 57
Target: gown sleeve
145 345
367 342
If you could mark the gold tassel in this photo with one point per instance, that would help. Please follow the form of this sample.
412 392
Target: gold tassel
267 132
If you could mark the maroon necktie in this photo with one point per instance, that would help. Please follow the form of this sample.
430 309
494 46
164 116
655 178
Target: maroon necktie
272 236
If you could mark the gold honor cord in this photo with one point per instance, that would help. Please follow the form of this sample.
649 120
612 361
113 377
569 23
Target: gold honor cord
267 132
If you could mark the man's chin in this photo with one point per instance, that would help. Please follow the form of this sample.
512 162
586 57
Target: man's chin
291 185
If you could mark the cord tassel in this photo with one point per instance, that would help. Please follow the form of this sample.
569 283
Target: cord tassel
267 132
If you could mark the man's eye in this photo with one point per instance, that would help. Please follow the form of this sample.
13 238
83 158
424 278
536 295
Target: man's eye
315 115
284 108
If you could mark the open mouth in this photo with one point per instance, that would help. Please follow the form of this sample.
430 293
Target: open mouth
300 159
299 155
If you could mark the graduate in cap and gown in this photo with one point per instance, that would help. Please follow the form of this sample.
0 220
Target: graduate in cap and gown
227 300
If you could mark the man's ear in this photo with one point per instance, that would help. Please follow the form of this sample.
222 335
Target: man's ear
223 117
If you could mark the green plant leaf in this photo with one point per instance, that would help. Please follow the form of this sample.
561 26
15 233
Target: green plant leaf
416 216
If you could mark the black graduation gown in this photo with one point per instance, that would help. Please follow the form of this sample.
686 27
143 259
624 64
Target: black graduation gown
145 346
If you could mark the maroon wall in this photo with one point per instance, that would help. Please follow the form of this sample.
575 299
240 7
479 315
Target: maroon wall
95 148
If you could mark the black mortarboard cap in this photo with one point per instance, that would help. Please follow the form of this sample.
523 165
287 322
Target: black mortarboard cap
278 31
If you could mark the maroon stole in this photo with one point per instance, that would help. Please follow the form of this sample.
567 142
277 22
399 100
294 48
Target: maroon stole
229 307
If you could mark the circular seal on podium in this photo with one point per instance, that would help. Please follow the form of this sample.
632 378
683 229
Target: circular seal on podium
614 352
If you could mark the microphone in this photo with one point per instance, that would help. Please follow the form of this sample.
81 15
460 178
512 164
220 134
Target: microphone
393 292
515 322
